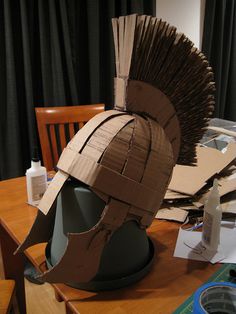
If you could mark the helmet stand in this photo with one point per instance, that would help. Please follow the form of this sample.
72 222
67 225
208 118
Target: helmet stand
126 258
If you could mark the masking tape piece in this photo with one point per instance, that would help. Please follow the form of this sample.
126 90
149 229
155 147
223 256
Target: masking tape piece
120 86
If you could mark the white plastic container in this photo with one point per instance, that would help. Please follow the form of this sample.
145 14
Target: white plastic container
212 220
36 180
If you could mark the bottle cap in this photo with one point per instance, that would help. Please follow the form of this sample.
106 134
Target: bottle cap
35 156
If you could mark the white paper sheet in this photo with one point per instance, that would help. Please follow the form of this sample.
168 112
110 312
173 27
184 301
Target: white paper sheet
188 245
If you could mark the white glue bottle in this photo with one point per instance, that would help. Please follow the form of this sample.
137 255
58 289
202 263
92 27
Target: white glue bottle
212 220
36 181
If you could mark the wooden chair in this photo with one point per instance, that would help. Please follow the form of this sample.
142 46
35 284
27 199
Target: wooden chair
57 125
8 303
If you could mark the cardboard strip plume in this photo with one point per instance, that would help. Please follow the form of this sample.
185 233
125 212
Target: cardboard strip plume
163 101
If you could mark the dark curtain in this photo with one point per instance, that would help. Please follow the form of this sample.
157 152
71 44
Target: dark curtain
53 53
219 45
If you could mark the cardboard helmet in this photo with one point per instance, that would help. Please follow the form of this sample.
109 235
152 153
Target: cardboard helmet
126 156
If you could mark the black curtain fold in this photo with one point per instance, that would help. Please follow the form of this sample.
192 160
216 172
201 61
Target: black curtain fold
53 53
219 45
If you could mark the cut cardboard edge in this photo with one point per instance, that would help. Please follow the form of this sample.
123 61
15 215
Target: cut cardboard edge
83 135
106 180
52 191
89 245
224 188
145 98
172 213
189 180
77 143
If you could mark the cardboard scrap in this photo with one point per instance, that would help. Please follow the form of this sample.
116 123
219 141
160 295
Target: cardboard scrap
172 195
106 180
189 180
144 98
172 213
226 178
228 203
52 191
88 247
224 187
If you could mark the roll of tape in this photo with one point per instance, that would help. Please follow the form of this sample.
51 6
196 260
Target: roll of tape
215 297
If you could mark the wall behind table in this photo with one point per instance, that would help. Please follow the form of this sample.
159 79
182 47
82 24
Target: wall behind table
186 15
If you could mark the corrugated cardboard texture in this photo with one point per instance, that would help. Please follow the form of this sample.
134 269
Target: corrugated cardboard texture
150 51
108 181
42 228
172 213
80 139
52 191
87 247
172 195
189 180
158 170
134 181
136 187
144 98
225 187
77 143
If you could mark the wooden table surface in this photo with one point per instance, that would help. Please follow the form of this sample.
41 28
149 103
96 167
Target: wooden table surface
169 283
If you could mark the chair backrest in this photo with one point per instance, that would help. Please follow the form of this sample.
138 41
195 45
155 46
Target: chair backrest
57 125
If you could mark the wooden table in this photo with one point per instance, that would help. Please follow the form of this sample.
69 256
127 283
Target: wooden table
170 282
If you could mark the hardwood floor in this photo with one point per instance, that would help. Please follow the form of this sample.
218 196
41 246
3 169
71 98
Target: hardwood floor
40 299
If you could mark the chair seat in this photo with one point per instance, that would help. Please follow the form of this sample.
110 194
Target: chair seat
7 291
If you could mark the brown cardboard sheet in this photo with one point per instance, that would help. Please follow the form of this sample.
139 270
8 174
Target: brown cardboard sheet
145 98
108 181
52 191
77 143
138 150
172 195
224 187
88 247
160 162
102 137
82 136
116 154
172 213
228 203
189 180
